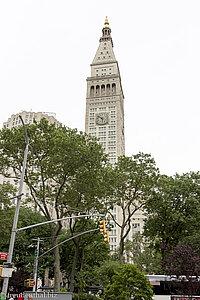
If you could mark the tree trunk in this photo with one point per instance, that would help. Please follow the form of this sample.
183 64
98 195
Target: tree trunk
71 286
56 268
121 251
54 234
121 247
46 277
82 258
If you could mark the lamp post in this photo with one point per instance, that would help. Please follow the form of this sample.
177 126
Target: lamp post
36 264
15 221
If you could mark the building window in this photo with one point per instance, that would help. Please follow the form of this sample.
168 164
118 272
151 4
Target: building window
112 132
92 91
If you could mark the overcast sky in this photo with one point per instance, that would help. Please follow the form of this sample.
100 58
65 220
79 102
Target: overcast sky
47 46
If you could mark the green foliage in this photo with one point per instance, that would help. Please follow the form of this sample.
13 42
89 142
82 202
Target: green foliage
84 296
67 167
129 281
103 275
92 252
6 214
135 178
23 256
173 210
63 290
143 255
6 192
66 174
6 217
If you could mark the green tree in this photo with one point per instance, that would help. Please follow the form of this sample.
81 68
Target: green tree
135 178
104 273
25 243
6 215
173 210
140 251
6 193
129 282
83 254
66 171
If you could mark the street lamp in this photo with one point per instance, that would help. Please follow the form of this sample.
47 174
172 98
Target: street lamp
15 221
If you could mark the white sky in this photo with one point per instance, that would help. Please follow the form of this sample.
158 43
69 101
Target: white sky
46 48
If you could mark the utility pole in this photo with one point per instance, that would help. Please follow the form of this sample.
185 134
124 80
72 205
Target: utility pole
36 263
15 221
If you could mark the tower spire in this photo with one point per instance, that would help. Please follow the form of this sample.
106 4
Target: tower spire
106 32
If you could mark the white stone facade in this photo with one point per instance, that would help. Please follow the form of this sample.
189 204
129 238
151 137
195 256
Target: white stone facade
28 118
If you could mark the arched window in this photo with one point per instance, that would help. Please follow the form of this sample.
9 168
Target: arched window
108 89
97 90
113 88
92 91
103 89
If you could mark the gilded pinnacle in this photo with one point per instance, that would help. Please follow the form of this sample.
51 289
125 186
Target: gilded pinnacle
106 24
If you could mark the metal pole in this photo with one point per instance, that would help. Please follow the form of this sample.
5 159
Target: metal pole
69 239
14 228
57 220
15 221
36 264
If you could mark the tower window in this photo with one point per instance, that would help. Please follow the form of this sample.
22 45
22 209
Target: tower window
92 91
108 89
103 89
97 90
113 88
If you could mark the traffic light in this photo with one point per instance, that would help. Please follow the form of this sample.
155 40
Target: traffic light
102 226
26 282
106 236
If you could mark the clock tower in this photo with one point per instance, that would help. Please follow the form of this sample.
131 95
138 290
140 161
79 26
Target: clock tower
105 99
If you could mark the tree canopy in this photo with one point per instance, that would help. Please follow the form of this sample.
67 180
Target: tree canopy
173 210
25 243
135 178
183 264
66 172
127 282
141 253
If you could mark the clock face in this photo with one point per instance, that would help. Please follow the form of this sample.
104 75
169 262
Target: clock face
101 118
